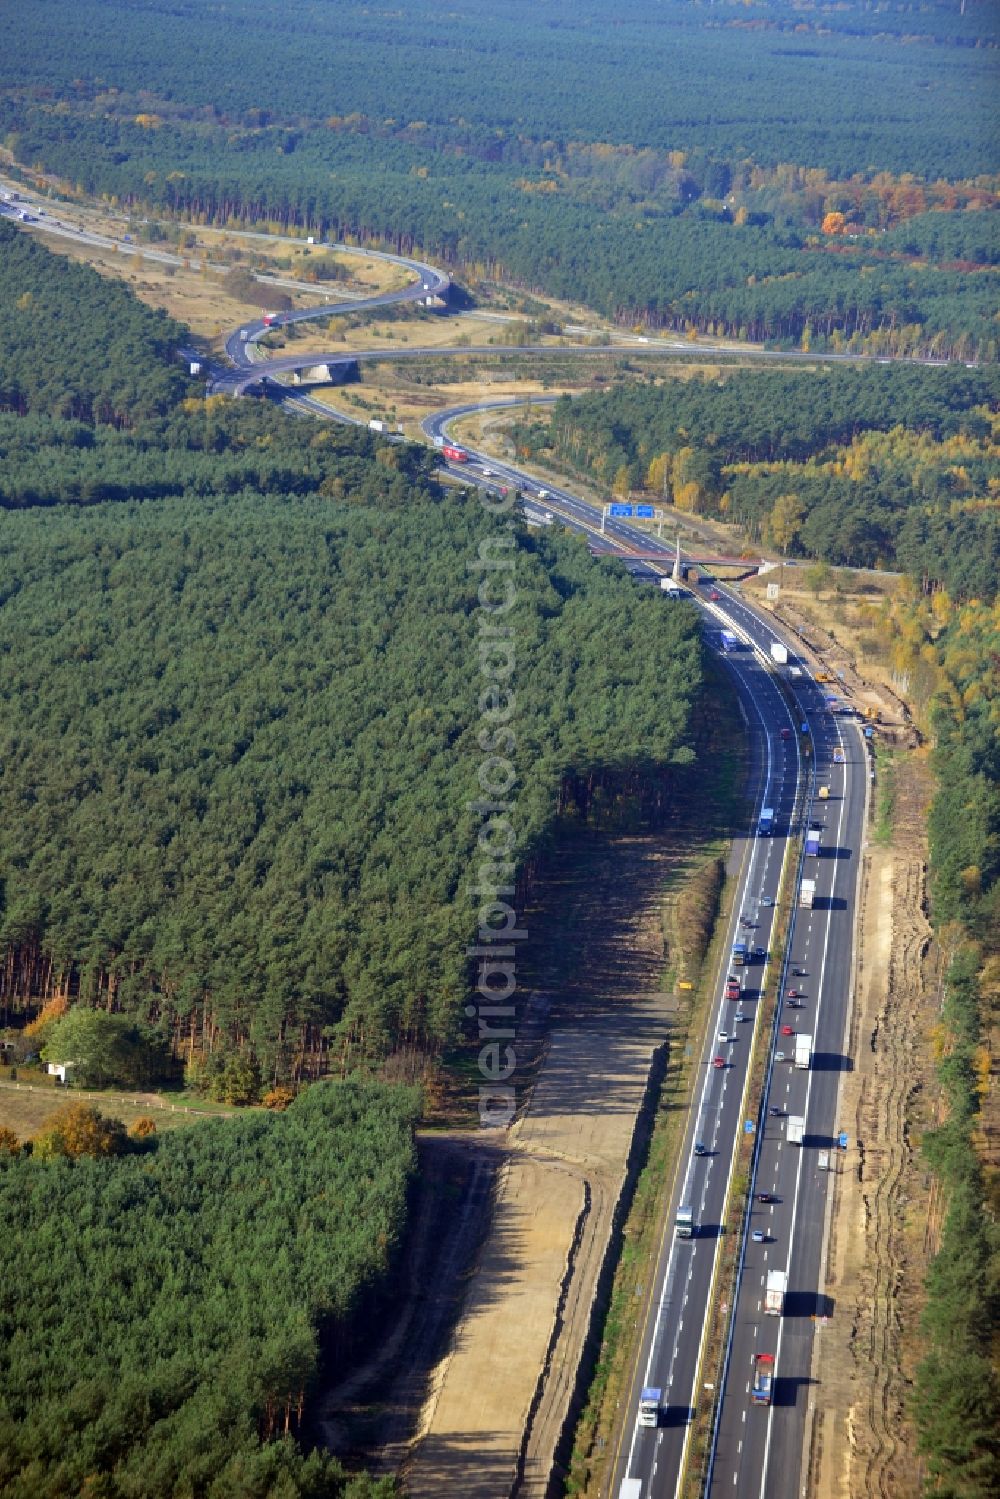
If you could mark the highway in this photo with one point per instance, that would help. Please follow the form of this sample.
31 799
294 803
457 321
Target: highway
754 1451
795 749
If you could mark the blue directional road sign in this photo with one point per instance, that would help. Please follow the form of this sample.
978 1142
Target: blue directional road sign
645 511
748 1126
621 509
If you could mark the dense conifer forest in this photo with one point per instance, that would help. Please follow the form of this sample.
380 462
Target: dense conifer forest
249 646
890 467
605 161
162 1310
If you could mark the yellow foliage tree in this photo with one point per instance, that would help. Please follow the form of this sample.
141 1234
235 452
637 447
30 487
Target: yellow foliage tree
53 1010
9 1142
658 474
79 1130
785 521
834 223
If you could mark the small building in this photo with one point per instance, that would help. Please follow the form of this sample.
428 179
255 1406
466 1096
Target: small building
61 1071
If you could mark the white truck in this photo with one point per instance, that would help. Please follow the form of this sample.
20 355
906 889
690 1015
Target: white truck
650 1404
774 1292
807 894
803 1051
631 1489
684 1223
779 653
795 1129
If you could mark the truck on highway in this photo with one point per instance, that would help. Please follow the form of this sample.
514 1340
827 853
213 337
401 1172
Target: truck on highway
795 1129
774 1292
813 837
763 1378
684 1223
765 822
650 1403
803 1050
456 455
779 653
739 954
729 641
732 987
631 1489
807 894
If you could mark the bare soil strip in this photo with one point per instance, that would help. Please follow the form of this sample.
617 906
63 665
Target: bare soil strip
502 1393
877 1254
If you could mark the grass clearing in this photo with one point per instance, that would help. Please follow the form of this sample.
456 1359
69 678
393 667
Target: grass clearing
27 1106
885 806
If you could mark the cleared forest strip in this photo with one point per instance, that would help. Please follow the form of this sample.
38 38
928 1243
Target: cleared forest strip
861 1444
515 1353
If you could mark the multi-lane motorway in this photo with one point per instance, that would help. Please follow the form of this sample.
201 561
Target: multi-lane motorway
799 743
754 1451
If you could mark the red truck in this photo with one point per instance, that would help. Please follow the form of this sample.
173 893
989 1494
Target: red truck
456 455
732 988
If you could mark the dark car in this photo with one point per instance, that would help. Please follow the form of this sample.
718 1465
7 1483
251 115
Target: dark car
765 1197
776 1113
786 733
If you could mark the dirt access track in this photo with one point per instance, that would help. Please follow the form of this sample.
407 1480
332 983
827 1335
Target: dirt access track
501 1395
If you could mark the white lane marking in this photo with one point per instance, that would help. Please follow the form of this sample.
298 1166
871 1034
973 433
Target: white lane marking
798 1170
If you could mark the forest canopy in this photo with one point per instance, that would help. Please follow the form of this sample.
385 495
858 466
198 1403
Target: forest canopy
162 1309
655 202
248 646
878 466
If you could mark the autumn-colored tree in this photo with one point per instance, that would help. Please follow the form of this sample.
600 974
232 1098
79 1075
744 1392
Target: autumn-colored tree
10 1144
658 474
142 1128
47 1015
622 484
279 1098
79 1130
834 223
785 521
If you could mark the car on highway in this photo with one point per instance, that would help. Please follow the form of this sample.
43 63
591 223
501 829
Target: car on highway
699 1147
775 1112
715 595
739 1016
718 1062
767 900
788 1030
792 994
799 973
758 1235
794 1004
786 733
779 1056
766 1197
725 1036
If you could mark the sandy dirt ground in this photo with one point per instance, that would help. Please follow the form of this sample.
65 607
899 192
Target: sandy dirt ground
883 1215
501 1394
